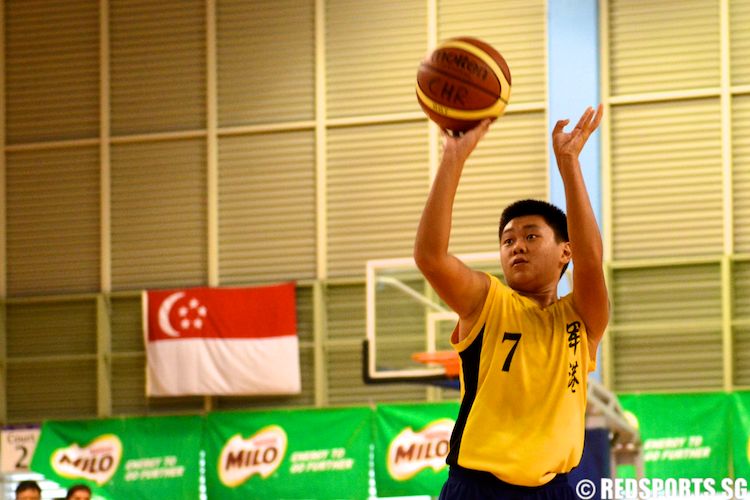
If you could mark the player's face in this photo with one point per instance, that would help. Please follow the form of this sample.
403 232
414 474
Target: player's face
81 495
530 255
28 495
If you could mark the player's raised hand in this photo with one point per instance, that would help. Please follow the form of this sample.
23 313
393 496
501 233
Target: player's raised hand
458 148
568 145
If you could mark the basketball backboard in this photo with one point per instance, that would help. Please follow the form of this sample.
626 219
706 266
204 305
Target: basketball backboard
407 322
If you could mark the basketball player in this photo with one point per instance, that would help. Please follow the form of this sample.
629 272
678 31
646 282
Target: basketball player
28 490
78 492
525 353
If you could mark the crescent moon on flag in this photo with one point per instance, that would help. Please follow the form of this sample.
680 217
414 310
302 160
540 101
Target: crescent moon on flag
164 310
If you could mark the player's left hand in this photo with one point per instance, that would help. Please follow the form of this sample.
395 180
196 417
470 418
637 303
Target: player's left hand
568 145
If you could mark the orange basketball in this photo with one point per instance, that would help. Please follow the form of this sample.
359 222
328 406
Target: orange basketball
462 82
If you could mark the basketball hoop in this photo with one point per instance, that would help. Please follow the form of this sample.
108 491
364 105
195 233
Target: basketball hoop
448 359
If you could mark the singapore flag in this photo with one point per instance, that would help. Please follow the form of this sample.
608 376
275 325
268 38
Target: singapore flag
221 341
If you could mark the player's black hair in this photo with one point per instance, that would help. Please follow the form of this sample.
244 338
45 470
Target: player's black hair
552 215
77 487
26 486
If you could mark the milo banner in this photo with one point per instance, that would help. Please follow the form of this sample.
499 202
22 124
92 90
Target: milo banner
135 458
321 454
741 434
411 444
683 435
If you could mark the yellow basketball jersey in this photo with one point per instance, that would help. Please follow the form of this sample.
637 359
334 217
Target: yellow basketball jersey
523 389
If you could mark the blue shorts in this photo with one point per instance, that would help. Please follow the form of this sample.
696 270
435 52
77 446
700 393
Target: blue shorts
467 484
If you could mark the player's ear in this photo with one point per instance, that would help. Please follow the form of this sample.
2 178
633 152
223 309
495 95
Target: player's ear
567 253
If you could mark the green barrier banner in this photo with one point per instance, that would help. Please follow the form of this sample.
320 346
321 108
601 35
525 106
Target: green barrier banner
683 435
741 434
138 458
321 454
411 444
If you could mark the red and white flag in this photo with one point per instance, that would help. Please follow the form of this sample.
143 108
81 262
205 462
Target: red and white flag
221 341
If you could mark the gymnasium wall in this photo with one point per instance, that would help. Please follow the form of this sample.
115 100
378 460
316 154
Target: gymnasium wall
185 143
228 143
676 171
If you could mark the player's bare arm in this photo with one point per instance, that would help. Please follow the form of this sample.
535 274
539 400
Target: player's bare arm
462 288
589 287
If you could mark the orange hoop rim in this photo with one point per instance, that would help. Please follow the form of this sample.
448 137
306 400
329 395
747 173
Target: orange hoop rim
448 359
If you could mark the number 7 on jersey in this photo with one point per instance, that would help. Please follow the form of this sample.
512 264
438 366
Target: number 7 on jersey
515 337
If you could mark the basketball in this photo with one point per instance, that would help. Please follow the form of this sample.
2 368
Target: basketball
462 82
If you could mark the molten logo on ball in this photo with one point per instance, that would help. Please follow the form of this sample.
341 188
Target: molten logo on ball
461 62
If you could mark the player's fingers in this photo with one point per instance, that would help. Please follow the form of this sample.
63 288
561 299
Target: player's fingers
559 126
593 123
476 133
448 134
597 117
585 117
483 127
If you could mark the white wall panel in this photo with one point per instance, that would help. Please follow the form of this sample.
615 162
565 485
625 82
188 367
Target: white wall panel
741 172
683 358
377 185
51 328
667 179
40 390
741 305
741 353
666 328
126 324
38 385
664 295
158 65
373 50
267 207
739 41
741 308
52 203
664 45
265 56
51 70
159 214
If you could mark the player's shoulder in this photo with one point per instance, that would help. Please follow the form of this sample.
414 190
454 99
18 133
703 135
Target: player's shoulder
496 284
497 291
568 306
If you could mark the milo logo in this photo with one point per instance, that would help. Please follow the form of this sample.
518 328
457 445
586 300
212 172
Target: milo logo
410 451
96 462
259 454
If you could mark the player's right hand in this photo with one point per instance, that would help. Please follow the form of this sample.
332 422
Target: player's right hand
458 148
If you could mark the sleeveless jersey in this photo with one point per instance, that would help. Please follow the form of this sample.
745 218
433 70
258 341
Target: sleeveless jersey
523 389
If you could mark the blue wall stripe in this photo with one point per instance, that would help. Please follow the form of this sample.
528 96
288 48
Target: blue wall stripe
573 58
